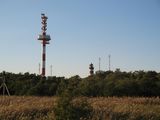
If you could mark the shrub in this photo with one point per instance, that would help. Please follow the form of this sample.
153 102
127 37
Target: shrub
67 109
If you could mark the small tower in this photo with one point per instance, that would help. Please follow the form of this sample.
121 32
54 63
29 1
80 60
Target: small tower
3 85
44 38
91 69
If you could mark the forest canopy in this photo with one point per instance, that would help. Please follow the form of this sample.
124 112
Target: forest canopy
109 83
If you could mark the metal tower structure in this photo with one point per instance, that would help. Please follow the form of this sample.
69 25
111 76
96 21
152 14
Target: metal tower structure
109 56
3 85
99 63
39 68
44 38
51 69
91 69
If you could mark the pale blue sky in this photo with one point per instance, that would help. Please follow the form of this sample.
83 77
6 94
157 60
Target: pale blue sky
81 32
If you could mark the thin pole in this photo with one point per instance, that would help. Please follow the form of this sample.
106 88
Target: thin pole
51 69
7 90
109 56
99 63
39 69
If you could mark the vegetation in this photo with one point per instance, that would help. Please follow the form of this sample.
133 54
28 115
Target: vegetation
69 109
26 108
138 83
126 108
103 96
104 108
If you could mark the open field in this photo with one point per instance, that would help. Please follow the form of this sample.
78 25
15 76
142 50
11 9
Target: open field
104 108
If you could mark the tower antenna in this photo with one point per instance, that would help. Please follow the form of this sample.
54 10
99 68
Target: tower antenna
51 69
109 56
3 85
39 68
99 63
44 40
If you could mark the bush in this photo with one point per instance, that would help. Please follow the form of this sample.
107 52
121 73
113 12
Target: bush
68 109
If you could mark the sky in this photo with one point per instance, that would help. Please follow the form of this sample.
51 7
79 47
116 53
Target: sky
81 31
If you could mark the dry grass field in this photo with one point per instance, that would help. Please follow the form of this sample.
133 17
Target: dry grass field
104 108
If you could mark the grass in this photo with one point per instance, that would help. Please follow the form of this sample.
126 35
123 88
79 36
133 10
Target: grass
104 108
25 108
126 108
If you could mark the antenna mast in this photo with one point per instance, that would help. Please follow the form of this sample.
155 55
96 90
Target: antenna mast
39 69
99 63
51 69
109 56
44 40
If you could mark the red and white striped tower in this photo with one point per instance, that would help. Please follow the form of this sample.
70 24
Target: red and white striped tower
44 40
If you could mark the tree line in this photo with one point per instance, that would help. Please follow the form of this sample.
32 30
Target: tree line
109 83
